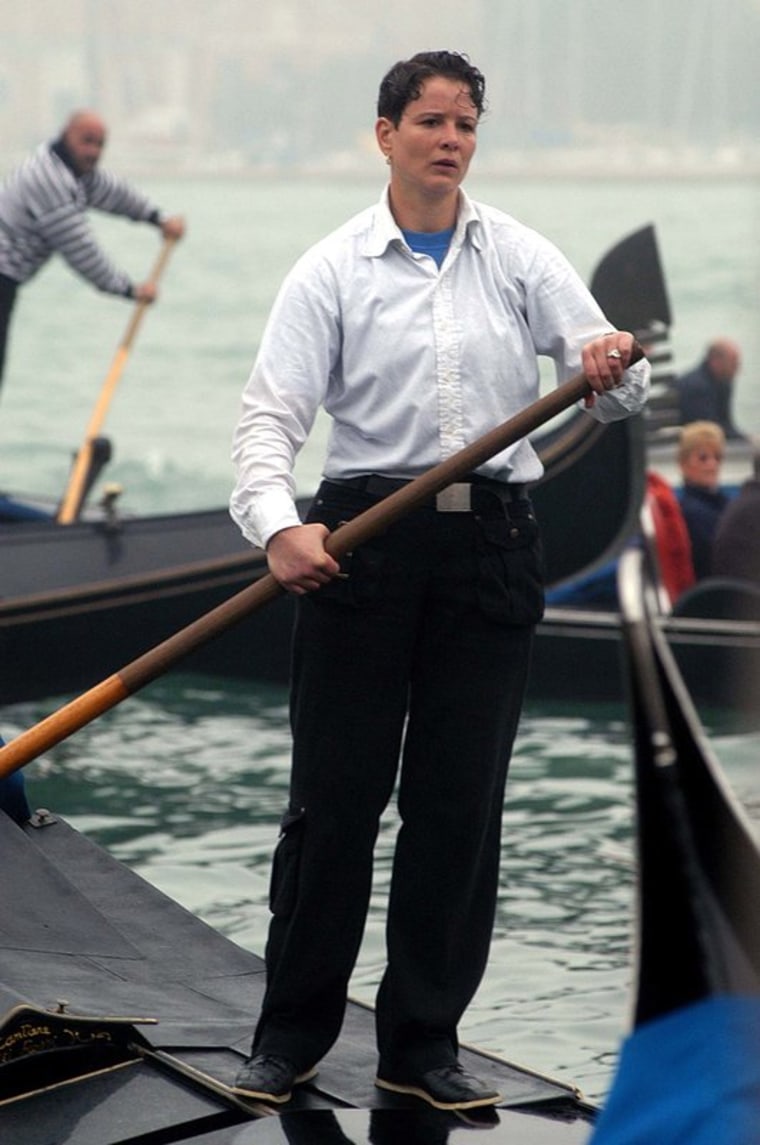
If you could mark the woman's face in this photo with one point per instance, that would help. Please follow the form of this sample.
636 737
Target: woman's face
431 149
701 465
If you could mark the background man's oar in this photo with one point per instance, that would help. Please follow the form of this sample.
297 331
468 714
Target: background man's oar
75 490
158 660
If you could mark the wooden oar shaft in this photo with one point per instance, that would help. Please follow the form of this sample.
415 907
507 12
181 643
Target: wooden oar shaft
110 692
137 314
73 495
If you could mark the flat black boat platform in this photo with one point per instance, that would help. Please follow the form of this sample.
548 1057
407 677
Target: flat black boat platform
126 1019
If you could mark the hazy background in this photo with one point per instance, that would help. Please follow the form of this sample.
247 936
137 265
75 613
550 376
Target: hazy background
254 118
231 84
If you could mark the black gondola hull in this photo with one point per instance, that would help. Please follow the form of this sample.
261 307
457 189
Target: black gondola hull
79 602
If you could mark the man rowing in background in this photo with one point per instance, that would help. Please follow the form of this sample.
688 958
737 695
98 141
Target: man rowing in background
43 209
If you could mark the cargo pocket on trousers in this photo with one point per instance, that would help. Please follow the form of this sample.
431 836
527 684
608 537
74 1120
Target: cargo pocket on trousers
511 582
283 886
364 572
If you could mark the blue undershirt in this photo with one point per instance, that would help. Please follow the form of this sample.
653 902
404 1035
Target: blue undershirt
435 243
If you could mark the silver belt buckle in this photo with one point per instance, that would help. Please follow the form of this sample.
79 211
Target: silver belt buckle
456 498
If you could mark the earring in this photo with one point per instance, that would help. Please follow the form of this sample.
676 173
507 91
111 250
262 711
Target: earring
388 160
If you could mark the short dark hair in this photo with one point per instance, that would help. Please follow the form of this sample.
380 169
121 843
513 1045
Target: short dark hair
403 83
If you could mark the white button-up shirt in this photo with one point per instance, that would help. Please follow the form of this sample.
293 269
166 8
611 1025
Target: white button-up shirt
412 363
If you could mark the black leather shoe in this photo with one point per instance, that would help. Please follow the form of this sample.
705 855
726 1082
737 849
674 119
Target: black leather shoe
447 1087
268 1077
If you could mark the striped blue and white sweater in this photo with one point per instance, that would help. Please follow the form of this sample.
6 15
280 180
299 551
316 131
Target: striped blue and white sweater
43 207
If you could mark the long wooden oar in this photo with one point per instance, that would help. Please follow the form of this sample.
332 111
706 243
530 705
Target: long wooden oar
72 498
111 691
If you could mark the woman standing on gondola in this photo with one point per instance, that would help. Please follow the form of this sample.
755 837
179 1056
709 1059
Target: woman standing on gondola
417 326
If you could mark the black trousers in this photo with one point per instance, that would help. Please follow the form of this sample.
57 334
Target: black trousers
8 291
421 655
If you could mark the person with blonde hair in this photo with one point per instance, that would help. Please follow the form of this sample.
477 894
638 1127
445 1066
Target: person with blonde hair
701 446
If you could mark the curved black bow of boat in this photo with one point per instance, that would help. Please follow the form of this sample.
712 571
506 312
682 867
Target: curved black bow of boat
691 1069
699 862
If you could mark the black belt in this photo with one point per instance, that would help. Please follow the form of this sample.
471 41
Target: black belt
460 497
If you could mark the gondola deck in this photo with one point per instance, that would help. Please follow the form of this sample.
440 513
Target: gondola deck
83 935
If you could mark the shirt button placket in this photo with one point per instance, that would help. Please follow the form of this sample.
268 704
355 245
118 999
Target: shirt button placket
448 370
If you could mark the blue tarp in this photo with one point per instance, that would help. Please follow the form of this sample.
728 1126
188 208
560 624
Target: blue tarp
13 510
13 796
690 1078
598 588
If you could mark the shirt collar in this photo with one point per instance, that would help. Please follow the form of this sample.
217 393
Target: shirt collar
468 222
59 148
385 229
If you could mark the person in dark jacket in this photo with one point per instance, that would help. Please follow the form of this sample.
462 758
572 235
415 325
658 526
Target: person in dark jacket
736 547
700 454
43 210
706 392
